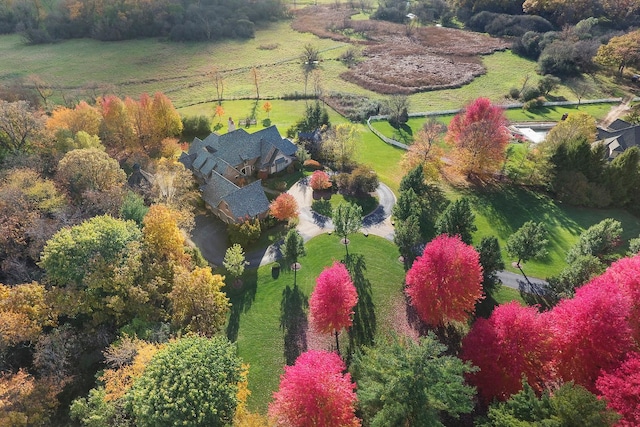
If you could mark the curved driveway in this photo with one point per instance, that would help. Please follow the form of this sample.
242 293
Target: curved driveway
211 234
311 223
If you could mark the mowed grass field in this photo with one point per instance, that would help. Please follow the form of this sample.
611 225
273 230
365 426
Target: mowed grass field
181 70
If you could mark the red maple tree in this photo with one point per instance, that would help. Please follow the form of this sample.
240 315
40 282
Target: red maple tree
332 301
621 389
625 273
315 392
513 342
480 138
284 207
445 283
590 332
320 181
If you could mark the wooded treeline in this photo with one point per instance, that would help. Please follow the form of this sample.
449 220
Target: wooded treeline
44 21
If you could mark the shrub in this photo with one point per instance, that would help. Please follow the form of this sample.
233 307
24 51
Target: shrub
312 164
196 125
514 93
363 180
533 104
320 180
530 93
559 58
501 24
245 232
548 83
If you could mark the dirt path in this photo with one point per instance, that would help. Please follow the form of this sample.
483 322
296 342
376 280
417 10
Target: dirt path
617 111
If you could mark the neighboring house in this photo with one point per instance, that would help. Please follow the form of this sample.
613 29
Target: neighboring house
618 137
140 178
225 164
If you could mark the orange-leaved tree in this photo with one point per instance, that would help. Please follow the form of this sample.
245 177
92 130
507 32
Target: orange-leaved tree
267 108
284 207
479 138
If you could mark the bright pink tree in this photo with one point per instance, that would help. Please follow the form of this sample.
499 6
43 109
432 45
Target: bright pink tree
480 138
320 180
332 301
315 392
445 283
621 389
590 332
513 342
626 274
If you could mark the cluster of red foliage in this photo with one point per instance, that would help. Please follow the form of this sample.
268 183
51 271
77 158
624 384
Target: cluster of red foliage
320 181
590 339
445 283
332 301
315 392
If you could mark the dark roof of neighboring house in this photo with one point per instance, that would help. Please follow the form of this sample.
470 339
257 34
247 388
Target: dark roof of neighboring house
140 177
619 136
248 201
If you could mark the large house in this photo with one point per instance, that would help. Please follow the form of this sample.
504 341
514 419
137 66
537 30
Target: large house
226 166
618 137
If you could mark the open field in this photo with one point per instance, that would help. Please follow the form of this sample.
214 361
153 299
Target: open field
90 68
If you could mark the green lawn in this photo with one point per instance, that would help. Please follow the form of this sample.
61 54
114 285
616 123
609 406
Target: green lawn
256 307
382 157
502 210
552 114
255 317
325 206
283 115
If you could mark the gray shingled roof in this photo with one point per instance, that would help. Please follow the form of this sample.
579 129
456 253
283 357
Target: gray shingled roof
187 159
210 157
216 188
627 137
248 201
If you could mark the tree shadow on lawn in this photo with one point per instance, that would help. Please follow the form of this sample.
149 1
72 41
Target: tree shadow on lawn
363 329
403 134
507 207
293 322
241 299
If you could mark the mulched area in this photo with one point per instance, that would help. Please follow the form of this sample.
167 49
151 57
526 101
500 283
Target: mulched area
398 61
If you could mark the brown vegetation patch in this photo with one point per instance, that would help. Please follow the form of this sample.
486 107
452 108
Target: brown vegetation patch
399 60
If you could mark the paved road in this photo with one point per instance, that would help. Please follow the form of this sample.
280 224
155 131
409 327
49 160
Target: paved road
517 281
